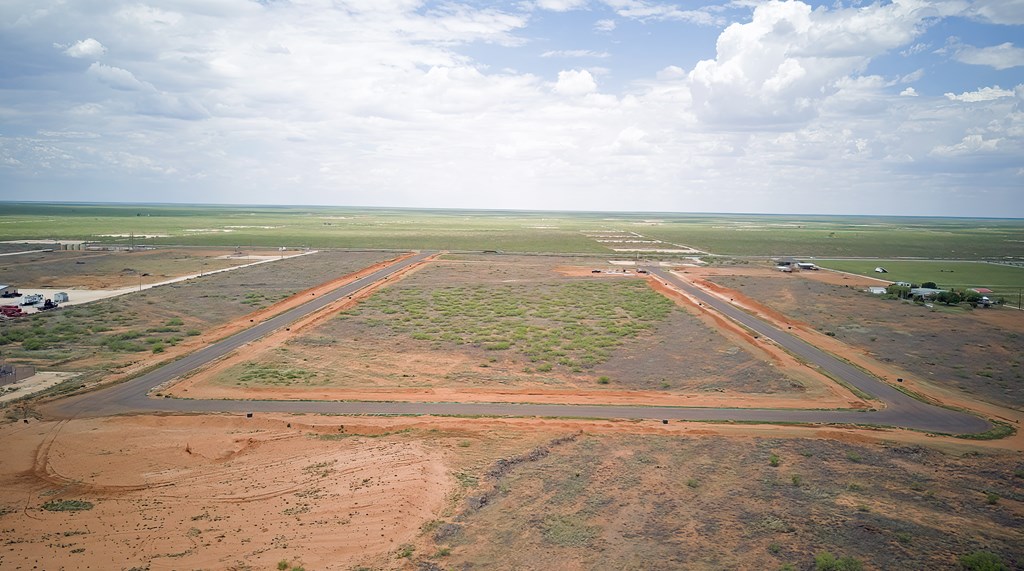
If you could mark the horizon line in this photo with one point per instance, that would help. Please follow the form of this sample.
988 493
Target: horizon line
497 210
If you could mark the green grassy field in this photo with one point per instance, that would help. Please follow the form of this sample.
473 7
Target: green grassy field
512 231
846 236
1003 280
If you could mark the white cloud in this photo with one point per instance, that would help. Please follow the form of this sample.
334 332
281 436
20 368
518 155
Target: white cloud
908 92
87 48
783 65
117 77
575 54
671 72
561 5
1008 12
604 25
654 11
575 82
915 49
970 145
912 76
1003 56
983 94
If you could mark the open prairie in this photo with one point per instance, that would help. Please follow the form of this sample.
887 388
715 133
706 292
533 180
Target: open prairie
654 234
318 492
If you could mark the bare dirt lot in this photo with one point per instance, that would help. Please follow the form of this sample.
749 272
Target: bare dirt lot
437 335
212 493
978 352
333 493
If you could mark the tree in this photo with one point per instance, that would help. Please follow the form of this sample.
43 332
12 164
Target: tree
949 297
929 285
898 291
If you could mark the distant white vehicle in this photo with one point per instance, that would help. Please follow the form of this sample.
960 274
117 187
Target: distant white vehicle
881 270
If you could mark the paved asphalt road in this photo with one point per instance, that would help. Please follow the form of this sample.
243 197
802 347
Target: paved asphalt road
900 410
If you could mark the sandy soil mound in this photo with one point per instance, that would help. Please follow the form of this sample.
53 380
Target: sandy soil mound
209 492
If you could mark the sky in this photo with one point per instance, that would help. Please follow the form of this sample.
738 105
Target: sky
905 107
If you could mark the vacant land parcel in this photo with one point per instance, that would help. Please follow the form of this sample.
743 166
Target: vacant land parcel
978 351
670 502
104 335
507 324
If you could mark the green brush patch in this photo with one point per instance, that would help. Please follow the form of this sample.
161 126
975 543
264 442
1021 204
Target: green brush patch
576 325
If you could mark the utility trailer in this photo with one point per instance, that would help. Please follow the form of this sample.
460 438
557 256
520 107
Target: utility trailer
32 299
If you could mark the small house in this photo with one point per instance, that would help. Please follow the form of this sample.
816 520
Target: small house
904 284
60 297
7 290
877 290
806 266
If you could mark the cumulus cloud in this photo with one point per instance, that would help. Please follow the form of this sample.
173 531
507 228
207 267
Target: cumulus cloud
778 67
604 25
1003 56
87 48
575 82
983 94
908 92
